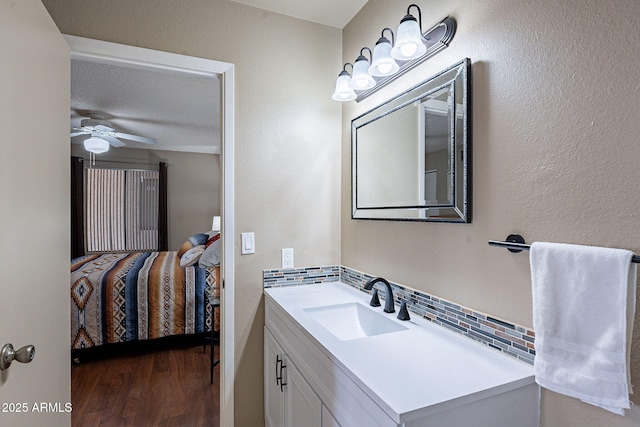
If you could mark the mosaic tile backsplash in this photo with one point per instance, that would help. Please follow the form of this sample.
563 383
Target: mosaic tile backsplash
509 338
300 276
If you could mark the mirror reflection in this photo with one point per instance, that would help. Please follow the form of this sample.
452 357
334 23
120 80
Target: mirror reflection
410 154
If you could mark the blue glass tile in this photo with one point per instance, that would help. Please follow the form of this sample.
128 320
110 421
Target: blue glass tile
523 355
480 316
492 336
454 311
453 325
453 306
500 322
503 346
513 333
519 347
493 346
481 337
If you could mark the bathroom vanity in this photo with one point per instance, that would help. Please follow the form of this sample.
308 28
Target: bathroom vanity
332 360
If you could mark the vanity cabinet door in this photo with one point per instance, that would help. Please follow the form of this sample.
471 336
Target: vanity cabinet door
274 390
289 401
303 406
327 418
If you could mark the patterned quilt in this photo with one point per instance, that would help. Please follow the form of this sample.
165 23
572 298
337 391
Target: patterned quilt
136 296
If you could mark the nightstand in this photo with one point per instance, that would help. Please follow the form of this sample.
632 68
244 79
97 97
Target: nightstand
214 302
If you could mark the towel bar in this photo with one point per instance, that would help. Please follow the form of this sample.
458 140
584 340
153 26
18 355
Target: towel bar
515 243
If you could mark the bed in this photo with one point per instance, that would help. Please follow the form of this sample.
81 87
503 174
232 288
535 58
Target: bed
124 297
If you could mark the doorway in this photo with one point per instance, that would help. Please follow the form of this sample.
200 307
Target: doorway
112 53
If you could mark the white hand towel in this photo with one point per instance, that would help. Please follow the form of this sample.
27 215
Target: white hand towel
583 309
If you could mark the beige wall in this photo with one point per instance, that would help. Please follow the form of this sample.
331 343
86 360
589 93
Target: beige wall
194 182
193 186
555 155
287 128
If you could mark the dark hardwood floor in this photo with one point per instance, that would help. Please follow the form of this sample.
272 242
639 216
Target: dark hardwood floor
166 384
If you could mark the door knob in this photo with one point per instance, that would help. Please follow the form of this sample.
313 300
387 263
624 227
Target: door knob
23 355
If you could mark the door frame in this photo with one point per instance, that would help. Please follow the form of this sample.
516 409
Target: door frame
141 58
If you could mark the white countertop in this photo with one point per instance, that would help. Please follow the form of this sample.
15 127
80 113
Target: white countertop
411 373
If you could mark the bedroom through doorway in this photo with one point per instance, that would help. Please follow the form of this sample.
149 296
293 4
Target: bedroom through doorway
94 53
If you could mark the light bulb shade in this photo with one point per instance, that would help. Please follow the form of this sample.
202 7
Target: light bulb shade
383 63
343 90
361 79
96 145
409 43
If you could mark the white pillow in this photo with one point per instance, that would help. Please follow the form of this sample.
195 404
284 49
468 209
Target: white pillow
192 256
211 255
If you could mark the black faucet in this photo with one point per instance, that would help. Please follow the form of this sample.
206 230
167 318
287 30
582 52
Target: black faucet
388 300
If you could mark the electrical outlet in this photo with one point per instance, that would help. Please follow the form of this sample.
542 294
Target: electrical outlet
287 258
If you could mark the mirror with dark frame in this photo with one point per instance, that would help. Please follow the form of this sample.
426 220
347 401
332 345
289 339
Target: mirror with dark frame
411 157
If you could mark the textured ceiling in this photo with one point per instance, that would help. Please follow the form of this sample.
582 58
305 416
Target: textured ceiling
181 112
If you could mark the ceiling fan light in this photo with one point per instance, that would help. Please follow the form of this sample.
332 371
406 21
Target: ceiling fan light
96 145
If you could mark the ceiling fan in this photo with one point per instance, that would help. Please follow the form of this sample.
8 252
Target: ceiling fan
102 134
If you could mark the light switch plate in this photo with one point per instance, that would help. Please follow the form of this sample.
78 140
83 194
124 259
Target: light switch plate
248 243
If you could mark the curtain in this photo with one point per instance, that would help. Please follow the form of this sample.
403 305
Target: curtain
123 210
126 210
141 210
105 210
163 216
77 207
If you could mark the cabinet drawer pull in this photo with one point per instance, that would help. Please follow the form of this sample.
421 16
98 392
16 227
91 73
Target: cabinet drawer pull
279 376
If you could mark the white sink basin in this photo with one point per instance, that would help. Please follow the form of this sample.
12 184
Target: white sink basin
352 320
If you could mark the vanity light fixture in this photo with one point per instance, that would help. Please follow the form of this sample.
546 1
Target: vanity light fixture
409 43
382 63
361 78
391 59
343 91
96 145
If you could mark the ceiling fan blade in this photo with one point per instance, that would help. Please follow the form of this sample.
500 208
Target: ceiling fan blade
103 128
73 134
136 138
114 142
